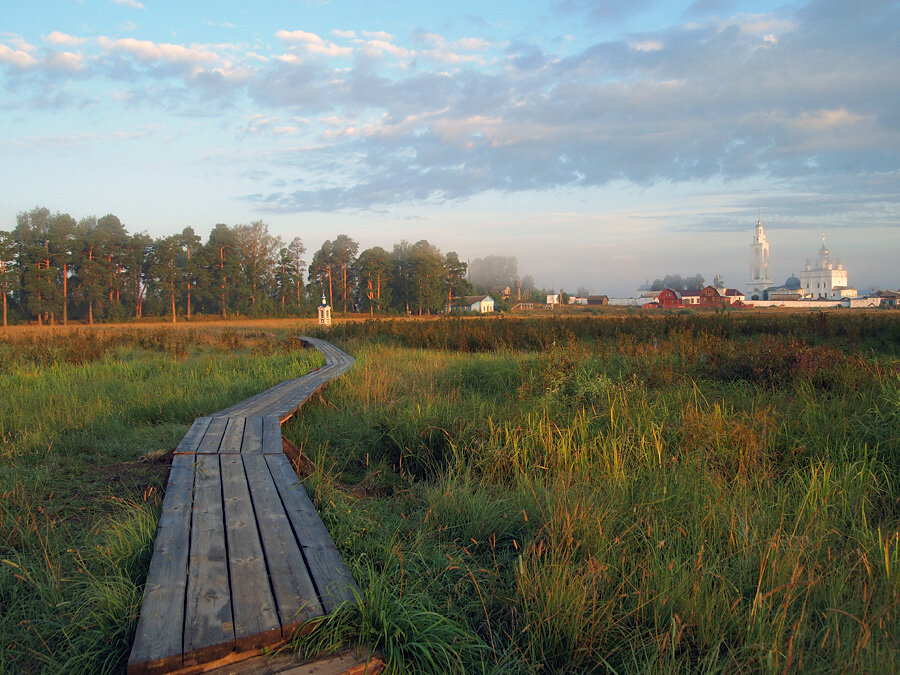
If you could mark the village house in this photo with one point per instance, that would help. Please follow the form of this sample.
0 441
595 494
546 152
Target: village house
668 298
598 300
480 304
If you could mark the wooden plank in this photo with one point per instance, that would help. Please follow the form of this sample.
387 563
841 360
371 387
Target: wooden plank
271 435
208 625
231 439
213 436
194 435
295 593
157 641
252 440
256 622
333 580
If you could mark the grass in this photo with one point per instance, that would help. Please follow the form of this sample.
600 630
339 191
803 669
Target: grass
622 493
86 421
659 502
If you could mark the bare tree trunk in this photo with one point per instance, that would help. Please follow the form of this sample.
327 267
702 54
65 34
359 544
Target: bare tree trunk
224 281
2 275
65 294
299 275
189 285
330 296
91 312
173 302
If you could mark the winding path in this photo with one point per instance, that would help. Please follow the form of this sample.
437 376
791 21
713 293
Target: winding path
241 558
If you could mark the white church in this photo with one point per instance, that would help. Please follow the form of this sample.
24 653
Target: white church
822 279
825 279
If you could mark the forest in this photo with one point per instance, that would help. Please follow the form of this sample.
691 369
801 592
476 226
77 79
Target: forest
56 269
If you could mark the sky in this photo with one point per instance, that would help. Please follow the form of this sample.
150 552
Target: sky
601 142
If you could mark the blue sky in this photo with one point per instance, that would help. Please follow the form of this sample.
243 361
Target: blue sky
601 142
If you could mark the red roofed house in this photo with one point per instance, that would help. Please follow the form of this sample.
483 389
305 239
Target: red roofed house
669 299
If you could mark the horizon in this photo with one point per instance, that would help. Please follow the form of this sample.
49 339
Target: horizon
601 146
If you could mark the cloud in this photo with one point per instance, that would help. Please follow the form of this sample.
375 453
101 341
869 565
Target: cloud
312 43
15 57
58 39
811 94
134 4
147 51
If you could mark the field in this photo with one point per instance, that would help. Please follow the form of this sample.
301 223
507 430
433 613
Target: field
714 492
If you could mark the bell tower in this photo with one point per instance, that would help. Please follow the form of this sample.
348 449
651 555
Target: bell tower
759 262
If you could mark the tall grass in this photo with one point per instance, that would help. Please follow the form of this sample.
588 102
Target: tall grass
86 420
667 502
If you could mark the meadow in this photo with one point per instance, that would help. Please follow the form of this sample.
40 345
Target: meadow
88 419
710 492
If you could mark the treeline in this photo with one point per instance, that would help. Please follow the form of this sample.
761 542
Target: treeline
54 269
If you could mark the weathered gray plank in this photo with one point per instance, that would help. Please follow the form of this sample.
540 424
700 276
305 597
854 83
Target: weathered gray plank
208 625
271 435
157 641
253 607
213 436
234 434
252 441
194 435
333 580
295 593
187 603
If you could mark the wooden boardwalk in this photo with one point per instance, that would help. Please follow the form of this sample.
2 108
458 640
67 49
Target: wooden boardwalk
241 558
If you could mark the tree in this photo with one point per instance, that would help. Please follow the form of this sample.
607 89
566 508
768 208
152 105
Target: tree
112 238
454 276
372 271
189 259
8 276
32 237
284 275
257 250
62 232
296 249
221 251
427 274
164 272
343 254
91 265
493 271
320 269
677 283
136 258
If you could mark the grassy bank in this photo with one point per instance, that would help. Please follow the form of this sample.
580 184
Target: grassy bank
86 421
668 496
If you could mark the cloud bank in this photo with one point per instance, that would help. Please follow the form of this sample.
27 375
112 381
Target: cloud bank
376 121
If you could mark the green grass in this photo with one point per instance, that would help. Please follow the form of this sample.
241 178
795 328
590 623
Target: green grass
715 492
670 503
86 420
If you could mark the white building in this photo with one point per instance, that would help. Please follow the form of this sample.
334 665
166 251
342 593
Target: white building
759 263
825 279
482 304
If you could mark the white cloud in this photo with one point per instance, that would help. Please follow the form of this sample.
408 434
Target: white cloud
65 61
646 46
60 39
146 50
312 43
15 57
346 34
378 35
134 4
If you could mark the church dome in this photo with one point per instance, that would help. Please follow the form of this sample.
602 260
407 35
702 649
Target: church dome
792 283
